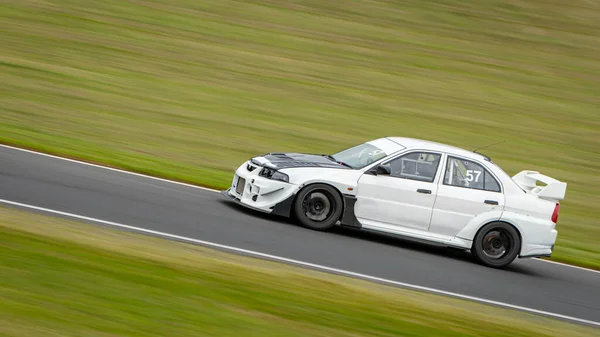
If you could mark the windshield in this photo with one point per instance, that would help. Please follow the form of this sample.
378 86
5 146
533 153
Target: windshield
360 156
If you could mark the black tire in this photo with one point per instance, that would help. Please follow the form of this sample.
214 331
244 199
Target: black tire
318 207
496 245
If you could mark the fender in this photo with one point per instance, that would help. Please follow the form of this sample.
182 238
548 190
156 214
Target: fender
534 231
345 188
470 230
345 181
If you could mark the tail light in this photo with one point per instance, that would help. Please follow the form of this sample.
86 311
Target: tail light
555 213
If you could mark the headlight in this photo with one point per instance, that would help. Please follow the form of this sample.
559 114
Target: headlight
280 176
274 175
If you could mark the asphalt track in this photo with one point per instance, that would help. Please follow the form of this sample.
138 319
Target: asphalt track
185 211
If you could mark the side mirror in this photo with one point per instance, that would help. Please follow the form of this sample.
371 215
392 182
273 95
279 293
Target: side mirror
383 170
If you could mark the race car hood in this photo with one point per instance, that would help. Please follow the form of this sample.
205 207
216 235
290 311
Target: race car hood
293 160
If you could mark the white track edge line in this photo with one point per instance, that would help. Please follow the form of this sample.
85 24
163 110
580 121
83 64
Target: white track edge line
569 265
307 264
202 188
109 168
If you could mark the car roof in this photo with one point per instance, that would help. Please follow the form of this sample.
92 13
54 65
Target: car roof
414 143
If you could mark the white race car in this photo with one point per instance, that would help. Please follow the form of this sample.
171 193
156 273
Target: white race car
417 189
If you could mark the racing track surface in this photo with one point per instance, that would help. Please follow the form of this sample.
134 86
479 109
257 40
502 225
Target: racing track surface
114 196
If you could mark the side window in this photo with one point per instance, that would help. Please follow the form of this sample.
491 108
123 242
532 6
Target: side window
490 183
465 173
416 166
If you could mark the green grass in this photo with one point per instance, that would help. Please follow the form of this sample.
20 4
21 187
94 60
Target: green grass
188 89
61 278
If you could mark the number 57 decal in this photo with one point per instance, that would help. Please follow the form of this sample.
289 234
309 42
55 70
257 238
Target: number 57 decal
470 175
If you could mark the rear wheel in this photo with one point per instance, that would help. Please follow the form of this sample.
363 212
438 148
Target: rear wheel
496 245
318 207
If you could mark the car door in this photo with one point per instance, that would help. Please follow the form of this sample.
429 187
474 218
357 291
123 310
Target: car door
466 191
402 194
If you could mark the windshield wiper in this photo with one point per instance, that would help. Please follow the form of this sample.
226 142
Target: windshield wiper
330 157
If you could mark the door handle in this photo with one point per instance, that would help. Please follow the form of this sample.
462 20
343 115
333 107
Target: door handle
491 202
420 190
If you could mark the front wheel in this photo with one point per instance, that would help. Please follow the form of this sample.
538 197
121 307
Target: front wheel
318 207
496 245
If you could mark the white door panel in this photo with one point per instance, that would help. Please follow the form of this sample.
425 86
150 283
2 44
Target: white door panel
456 206
404 195
395 201
466 191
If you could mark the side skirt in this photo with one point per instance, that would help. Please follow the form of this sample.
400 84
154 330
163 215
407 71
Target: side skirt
417 236
416 240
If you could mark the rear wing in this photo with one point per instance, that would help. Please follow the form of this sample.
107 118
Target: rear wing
554 190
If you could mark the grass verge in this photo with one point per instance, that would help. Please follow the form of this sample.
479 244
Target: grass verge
189 89
62 278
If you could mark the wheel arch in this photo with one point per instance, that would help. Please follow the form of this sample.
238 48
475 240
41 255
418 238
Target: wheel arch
516 228
292 211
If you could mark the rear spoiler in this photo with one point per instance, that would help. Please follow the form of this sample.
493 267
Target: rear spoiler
554 190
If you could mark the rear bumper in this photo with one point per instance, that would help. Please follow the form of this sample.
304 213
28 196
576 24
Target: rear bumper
541 248
538 252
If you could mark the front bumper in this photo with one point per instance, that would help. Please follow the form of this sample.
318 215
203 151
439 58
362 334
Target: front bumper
230 196
259 193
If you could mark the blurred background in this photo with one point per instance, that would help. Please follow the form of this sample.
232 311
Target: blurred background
188 89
